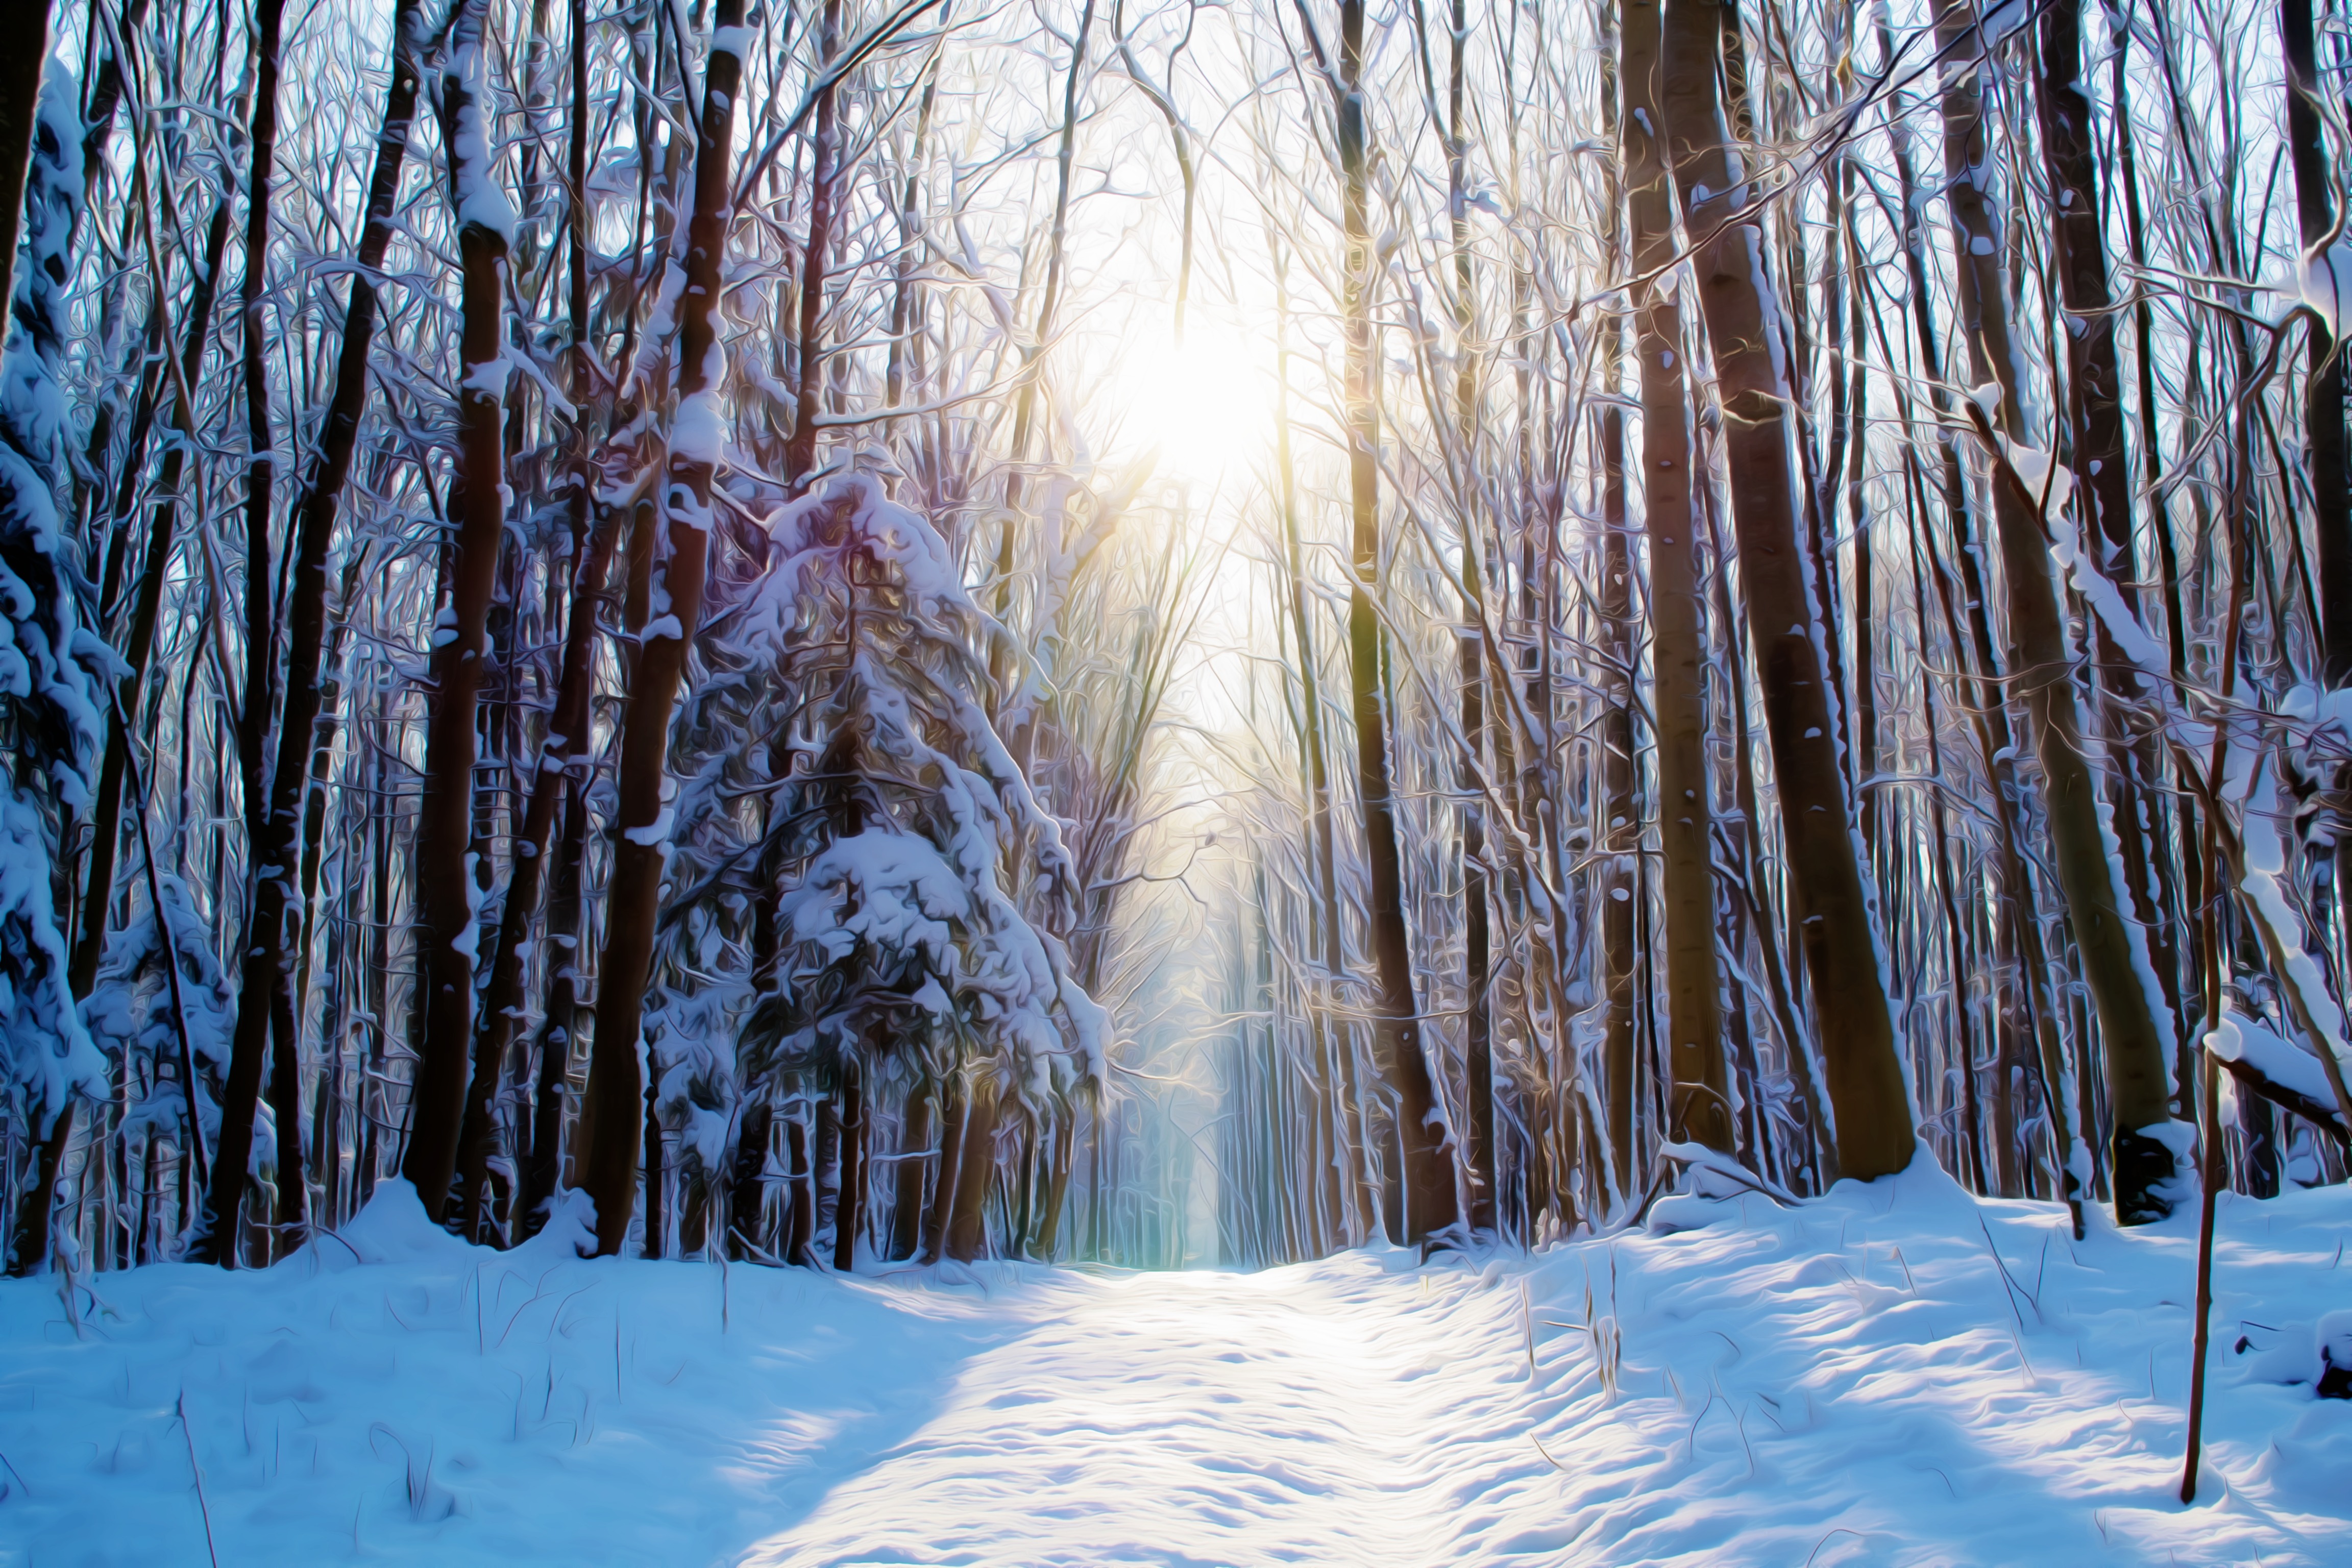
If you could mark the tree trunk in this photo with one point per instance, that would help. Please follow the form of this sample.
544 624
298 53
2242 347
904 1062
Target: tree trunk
849 1207
2136 1050
955 1116
564 752
800 1190
967 1236
800 452
1700 1104
746 1184
446 894
906 1176
2323 408
614 1076
1829 900
262 1000
1433 1198
1478 935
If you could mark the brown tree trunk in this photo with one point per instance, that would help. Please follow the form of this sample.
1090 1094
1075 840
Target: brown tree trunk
800 1190
955 1116
447 934
268 966
263 999
2101 464
2136 1050
849 1206
906 1176
613 1079
1700 1105
800 452
1829 900
2331 484
1062 1152
967 1236
746 1189
1433 1198
1477 937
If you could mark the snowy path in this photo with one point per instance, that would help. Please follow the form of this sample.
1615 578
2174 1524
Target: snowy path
1212 1419
1891 1375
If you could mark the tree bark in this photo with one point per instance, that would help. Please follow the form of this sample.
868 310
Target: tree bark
907 1174
800 452
1433 1198
615 1080
967 1236
261 1001
445 883
2322 409
849 1206
2136 1048
1829 900
1700 1105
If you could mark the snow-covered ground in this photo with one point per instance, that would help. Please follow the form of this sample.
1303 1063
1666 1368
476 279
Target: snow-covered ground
1895 1374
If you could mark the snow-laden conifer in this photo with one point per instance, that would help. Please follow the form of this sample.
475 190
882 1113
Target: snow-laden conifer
49 728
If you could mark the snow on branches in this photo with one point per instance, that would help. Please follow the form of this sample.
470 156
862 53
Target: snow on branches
896 883
49 716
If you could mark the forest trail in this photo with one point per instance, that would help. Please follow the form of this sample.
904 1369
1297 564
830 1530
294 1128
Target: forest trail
1346 1413
1895 1374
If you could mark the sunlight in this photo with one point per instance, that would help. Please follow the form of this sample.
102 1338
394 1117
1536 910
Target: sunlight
1204 405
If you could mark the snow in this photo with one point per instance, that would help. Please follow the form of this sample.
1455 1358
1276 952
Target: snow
1895 1373
699 432
480 200
2265 870
2326 284
2250 1040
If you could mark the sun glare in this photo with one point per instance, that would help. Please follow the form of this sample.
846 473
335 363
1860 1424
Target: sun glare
1203 405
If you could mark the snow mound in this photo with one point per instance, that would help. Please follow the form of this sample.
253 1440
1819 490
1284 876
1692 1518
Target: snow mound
391 1228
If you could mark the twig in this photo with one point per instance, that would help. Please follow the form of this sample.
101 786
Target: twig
198 1470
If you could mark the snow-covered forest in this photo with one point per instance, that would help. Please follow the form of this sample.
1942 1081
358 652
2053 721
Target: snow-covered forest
1538 685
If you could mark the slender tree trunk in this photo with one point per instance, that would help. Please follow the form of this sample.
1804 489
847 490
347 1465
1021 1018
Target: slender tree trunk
800 452
849 1206
1700 1105
800 1190
2322 409
146 609
907 1174
562 760
615 1083
260 998
1829 900
955 1115
445 886
2136 1047
264 1000
746 1187
2101 464
1477 932
1433 1198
